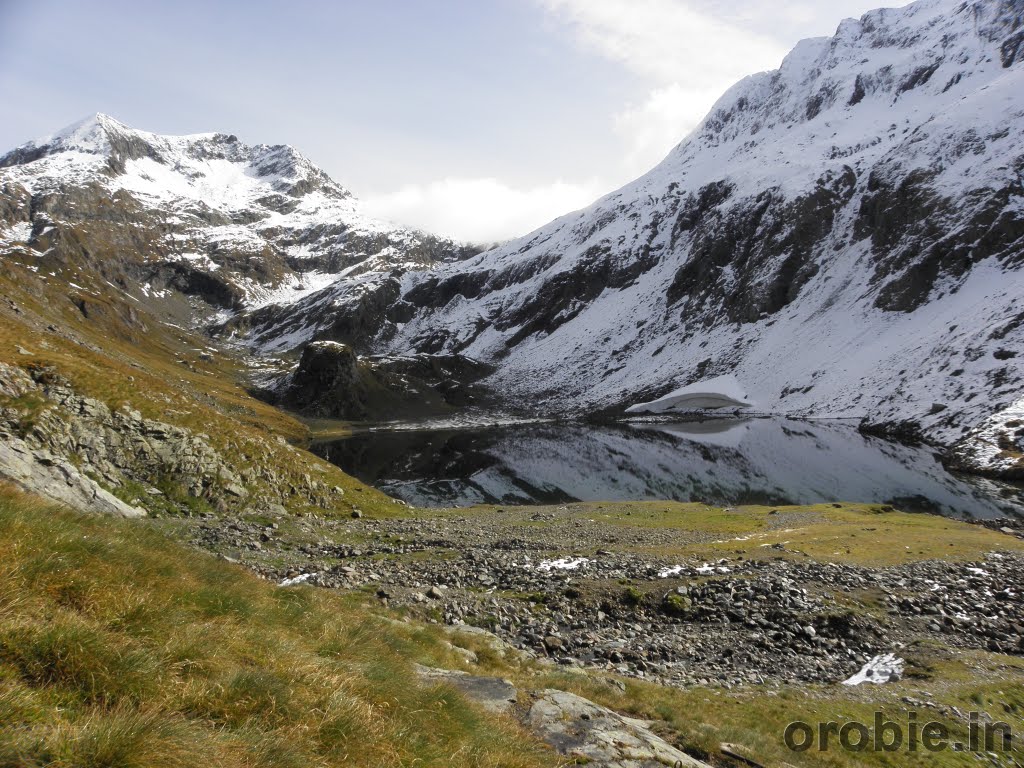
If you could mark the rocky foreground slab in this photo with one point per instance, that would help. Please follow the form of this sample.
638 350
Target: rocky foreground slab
576 727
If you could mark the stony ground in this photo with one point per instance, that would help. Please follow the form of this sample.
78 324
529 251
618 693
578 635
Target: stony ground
682 595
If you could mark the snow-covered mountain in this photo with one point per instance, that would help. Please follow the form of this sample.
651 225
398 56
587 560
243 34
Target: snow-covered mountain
204 218
844 235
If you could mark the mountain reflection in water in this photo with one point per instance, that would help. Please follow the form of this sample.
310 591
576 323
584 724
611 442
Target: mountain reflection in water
722 461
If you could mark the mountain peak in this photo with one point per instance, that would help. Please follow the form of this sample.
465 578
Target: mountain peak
88 134
262 217
866 85
99 143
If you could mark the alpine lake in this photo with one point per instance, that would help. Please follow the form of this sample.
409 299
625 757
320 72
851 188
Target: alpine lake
720 461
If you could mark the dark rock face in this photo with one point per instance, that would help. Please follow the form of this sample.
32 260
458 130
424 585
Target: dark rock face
328 371
743 238
908 432
332 382
15 204
452 376
562 297
362 322
918 236
1010 19
437 291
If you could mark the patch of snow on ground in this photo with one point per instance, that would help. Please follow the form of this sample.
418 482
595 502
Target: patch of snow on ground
292 288
296 580
18 233
885 668
720 392
562 564
708 568
986 446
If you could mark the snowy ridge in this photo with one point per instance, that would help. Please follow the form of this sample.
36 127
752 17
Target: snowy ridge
844 235
278 225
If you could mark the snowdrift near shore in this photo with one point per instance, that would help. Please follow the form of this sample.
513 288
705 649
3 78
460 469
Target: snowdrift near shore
994 448
720 392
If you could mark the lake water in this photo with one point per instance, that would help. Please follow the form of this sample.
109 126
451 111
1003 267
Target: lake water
720 462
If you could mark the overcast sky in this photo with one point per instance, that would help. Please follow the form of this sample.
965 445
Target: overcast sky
480 119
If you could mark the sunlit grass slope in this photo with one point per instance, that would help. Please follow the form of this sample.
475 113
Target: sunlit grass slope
121 648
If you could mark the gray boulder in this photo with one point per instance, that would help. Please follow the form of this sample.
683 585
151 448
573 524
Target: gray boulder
580 729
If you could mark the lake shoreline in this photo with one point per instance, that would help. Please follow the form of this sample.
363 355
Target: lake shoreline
716 459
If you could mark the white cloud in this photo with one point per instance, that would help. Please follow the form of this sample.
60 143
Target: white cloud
791 20
667 41
667 114
687 54
482 210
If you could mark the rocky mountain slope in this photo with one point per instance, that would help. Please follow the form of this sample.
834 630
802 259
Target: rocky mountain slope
190 227
845 235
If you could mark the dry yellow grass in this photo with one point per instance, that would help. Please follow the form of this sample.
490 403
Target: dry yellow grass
121 648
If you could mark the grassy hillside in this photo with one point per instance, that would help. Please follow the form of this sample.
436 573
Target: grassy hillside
125 357
121 648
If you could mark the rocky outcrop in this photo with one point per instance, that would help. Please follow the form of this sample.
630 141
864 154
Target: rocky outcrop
995 448
41 473
331 381
372 310
575 727
328 382
78 451
587 732
111 444
494 694
766 244
36 469
80 441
